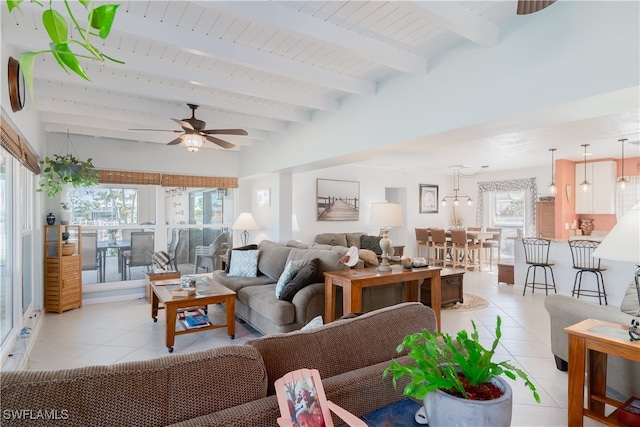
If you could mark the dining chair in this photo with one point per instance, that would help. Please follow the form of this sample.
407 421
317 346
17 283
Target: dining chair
494 242
210 255
172 248
583 260
440 247
536 254
461 246
91 259
422 239
141 252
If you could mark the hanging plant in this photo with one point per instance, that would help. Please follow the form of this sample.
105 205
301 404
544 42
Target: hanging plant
99 21
60 170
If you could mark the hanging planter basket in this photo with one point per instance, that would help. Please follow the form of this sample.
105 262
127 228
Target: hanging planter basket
60 170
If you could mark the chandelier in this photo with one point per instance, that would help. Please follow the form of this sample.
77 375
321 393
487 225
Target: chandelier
456 196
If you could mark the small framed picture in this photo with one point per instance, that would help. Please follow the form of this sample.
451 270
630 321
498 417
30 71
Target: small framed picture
428 198
263 197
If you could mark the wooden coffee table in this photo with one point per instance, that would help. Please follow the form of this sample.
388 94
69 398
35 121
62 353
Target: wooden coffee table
208 292
352 281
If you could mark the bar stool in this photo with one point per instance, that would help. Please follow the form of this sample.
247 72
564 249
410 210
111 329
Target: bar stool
536 252
581 253
422 239
439 245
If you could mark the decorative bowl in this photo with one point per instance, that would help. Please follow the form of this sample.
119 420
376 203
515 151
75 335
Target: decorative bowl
68 249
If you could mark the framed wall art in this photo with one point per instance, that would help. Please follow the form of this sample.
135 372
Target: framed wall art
428 198
263 197
337 200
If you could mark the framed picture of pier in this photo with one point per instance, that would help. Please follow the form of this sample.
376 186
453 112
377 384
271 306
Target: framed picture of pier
337 200
428 198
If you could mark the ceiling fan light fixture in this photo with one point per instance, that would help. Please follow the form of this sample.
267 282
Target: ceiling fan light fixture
193 142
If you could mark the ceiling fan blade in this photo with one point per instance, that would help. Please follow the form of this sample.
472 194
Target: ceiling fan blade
526 7
221 143
175 141
185 125
226 131
160 130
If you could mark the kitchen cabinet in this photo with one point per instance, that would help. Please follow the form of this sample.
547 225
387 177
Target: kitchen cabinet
546 220
601 199
62 268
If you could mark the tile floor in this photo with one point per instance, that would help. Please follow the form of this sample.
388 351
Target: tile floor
123 331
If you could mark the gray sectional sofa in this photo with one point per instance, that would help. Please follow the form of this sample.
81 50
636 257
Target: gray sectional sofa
623 376
256 301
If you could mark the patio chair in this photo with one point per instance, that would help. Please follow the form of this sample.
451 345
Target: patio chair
91 259
210 255
141 252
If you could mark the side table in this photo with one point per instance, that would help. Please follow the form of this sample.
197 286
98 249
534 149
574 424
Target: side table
596 339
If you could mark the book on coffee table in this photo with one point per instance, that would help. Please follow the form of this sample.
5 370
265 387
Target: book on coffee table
199 321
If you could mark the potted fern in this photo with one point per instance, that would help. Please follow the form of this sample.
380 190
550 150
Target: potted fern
457 379
60 170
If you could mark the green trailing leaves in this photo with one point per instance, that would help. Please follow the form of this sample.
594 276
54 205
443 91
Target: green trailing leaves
59 171
102 19
438 360
56 23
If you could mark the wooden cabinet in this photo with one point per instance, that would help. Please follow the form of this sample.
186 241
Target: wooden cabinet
62 268
601 199
546 220
450 286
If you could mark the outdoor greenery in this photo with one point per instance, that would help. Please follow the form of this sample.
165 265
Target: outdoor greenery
104 205
438 359
60 170
99 21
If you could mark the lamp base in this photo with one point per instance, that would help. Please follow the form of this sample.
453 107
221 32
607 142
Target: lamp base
385 244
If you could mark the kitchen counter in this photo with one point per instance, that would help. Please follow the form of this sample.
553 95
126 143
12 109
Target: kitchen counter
616 278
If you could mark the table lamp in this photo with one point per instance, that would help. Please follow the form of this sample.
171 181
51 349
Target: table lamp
385 215
245 222
623 242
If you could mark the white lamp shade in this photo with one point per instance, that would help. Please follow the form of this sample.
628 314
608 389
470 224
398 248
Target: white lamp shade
385 214
294 223
623 241
245 222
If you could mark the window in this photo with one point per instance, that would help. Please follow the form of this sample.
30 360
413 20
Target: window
507 210
6 243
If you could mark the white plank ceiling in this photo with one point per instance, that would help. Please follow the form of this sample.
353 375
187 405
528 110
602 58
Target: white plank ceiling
258 66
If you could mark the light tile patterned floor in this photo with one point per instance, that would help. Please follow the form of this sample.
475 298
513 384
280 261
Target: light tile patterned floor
123 331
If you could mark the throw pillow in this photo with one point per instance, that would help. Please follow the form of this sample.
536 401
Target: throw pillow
316 322
244 263
161 260
630 303
304 277
290 270
241 248
372 243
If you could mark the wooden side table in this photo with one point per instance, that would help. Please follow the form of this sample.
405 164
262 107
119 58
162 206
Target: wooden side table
596 339
505 273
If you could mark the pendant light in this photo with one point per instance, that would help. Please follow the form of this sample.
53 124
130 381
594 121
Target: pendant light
585 185
622 181
552 186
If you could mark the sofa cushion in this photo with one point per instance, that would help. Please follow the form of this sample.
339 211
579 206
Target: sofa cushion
240 248
262 300
333 239
630 303
244 263
304 277
273 258
317 349
371 243
289 272
235 283
327 260
353 239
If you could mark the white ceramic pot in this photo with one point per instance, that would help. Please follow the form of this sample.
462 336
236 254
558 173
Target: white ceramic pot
445 410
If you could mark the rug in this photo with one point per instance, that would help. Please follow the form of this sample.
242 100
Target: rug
471 302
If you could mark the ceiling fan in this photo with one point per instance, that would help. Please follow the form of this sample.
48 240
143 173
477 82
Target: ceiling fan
194 132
